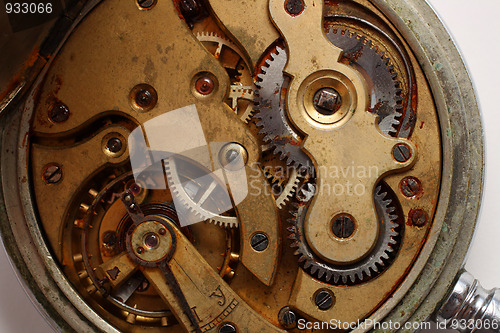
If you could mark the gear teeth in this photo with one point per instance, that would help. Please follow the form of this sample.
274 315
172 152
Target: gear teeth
289 190
178 191
323 272
372 57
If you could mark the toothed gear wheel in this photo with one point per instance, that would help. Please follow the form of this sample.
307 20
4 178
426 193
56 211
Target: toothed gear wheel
286 188
386 100
368 267
241 90
271 111
386 95
179 188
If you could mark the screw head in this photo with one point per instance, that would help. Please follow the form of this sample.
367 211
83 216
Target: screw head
146 4
114 145
343 226
410 187
205 85
324 299
418 217
227 328
287 317
401 152
140 250
259 242
162 231
59 113
294 7
327 101
52 174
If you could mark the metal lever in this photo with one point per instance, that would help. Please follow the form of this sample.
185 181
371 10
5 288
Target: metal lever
470 307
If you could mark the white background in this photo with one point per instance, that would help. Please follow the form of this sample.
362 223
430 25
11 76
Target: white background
475 26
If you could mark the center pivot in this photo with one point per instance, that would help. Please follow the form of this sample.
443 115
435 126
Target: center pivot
150 242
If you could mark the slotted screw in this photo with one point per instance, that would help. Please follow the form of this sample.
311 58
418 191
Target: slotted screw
287 317
343 226
259 242
324 299
410 187
52 174
401 152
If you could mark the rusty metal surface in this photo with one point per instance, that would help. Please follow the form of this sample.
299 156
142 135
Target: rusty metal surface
77 151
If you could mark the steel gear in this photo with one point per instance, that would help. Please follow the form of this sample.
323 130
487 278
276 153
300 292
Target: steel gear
243 92
385 99
287 187
284 180
241 95
368 267
271 111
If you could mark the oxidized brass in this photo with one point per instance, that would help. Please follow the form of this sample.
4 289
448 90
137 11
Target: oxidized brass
124 67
